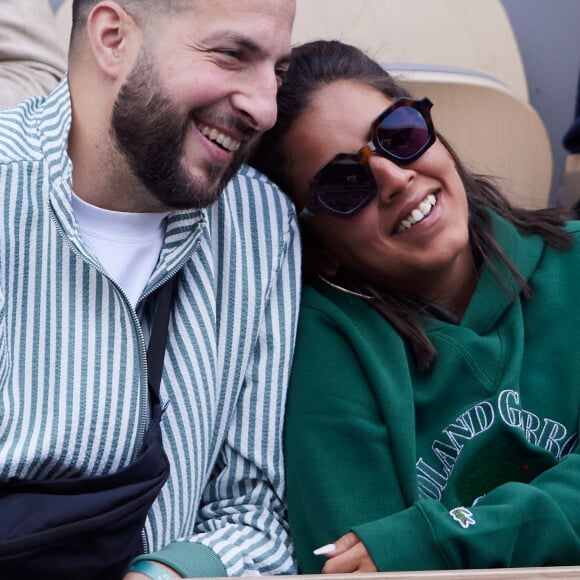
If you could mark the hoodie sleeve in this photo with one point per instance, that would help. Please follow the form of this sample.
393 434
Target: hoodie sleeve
515 525
344 466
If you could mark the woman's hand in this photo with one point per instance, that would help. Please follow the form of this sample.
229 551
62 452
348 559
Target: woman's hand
350 555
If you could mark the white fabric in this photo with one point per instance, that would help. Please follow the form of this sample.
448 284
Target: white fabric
126 244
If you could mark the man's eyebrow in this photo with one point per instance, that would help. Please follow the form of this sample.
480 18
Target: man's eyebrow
245 42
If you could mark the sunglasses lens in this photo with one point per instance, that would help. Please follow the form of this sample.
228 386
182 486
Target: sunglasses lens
403 133
344 186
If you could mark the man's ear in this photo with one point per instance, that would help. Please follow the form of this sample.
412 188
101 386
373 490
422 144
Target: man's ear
114 38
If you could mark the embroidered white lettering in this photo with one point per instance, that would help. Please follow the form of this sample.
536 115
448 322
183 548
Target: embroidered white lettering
551 435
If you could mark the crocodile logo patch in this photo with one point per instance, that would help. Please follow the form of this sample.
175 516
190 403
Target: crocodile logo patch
463 516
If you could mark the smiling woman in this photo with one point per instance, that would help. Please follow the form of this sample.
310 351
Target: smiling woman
426 301
397 239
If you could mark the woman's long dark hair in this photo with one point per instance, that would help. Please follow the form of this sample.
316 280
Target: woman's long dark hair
316 64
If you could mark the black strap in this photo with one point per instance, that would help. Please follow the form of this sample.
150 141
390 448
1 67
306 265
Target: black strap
158 335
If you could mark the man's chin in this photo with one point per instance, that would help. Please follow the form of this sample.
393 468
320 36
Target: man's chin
195 189
218 179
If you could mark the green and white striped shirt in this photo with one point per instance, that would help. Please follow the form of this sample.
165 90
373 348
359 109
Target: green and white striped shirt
72 352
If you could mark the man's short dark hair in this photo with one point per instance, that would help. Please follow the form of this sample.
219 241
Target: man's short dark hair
139 9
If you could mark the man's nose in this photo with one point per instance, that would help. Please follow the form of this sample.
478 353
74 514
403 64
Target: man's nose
256 99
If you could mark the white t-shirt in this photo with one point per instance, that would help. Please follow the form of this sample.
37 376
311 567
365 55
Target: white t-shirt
126 244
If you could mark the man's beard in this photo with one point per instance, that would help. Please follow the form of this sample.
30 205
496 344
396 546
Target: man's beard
151 136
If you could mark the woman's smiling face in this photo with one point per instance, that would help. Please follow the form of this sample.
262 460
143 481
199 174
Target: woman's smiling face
414 234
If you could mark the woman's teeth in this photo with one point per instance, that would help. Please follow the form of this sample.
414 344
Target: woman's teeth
418 214
221 139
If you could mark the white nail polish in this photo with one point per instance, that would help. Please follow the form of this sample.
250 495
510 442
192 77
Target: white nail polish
323 550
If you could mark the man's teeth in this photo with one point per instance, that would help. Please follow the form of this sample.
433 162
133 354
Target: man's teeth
220 138
419 213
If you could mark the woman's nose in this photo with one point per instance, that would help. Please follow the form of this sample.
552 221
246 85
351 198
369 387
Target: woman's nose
392 179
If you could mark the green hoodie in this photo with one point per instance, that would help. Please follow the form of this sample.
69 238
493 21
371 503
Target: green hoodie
471 464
